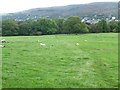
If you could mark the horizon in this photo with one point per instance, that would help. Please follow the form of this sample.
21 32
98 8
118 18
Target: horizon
32 5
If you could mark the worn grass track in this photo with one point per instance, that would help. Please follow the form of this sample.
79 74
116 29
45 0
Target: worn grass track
61 64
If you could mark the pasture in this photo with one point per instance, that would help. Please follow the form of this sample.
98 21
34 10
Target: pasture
66 61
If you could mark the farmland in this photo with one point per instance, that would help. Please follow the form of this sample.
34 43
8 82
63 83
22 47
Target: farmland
61 63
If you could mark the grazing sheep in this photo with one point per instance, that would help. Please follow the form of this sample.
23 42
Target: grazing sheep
2 45
77 44
3 40
42 44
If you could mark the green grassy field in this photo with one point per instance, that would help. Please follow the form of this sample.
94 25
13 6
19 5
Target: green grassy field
61 63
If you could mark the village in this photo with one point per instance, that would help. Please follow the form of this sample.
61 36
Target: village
87 19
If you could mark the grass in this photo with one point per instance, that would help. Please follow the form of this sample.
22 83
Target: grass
61 64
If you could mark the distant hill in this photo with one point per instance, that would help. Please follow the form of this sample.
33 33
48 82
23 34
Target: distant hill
99 8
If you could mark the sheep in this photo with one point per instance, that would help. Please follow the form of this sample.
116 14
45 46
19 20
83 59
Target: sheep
3 40
77 44
42 44
2 45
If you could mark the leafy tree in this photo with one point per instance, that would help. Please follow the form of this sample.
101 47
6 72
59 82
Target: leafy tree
118 26
74 25
46 26
93 28
32 26
59 23
27 28
0 28
80 28
9 27
113 26
102 26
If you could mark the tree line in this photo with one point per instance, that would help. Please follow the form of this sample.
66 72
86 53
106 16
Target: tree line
45 26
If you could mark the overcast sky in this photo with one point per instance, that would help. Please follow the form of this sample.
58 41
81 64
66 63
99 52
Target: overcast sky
10 6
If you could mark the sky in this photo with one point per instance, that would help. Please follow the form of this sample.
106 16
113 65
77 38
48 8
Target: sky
11 6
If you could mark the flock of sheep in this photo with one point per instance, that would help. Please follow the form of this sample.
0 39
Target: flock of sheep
4 41
41 44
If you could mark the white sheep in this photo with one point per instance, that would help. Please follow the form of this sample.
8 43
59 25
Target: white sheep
3 40
77 44
42 44
2 45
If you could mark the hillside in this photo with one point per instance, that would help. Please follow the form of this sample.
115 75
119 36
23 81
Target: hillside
93 9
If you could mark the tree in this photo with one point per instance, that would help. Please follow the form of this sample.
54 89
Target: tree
46 26
80 28
0 28
74 25
113 25
59 23
27 28
93 28
9 27
118 26
102 26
